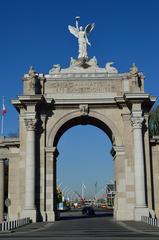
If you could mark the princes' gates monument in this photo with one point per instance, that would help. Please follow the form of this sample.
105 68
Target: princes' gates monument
83 93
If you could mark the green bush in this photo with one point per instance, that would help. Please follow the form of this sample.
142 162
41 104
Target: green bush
154 122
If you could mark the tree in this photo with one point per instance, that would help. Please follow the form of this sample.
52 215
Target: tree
154 122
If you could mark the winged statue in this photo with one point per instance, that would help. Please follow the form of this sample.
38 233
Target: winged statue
81 34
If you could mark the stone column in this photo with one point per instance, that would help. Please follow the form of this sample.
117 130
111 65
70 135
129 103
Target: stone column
1 189
141 208
29 206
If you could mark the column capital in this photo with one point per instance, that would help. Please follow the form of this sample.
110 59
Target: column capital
30 124
136 119
137 122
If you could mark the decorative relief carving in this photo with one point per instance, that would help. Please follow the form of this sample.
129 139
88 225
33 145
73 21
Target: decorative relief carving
84 109
30 124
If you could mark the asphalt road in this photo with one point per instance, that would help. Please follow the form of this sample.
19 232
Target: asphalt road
73 226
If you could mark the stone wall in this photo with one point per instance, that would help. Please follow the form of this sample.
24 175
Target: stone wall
154 144
9 150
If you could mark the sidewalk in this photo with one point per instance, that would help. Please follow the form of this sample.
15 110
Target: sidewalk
140 227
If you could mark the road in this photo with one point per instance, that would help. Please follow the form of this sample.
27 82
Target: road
73 226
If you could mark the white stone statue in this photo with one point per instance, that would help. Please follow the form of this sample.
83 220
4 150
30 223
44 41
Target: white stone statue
56 69
134 70
109 68
81 34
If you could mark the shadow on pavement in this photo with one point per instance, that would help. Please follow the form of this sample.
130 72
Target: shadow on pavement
97 215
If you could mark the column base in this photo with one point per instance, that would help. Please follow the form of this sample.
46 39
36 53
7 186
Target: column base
124 215
31 213
50 216
43 216
139 212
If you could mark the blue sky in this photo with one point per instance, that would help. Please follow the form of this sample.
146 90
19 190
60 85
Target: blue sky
36 33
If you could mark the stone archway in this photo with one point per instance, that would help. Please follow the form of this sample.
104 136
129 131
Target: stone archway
93 118
82 94
124 206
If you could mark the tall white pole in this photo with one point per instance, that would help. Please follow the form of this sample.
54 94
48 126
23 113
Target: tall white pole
2 125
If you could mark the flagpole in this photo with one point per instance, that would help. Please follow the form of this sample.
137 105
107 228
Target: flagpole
2 126
3 112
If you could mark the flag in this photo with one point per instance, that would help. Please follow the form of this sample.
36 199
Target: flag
4 111
3 114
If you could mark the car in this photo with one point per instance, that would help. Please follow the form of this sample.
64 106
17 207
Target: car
88 211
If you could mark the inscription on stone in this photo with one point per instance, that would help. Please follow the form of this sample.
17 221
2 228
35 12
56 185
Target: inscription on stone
56 87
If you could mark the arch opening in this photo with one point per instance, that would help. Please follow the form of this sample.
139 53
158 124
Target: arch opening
86 151
98 185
